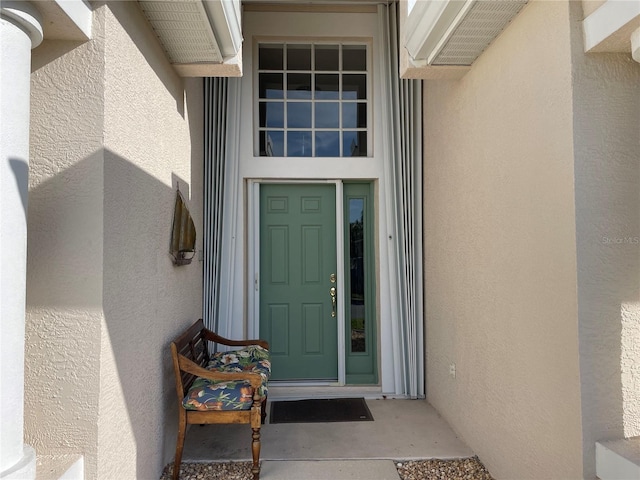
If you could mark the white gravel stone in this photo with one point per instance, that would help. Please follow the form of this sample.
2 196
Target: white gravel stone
459 469
211 471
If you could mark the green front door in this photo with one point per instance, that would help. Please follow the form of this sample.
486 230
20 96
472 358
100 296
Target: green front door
297 260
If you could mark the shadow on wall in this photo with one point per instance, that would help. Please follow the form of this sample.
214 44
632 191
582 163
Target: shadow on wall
50 50
21 172
606 104
147 301
607 179
98 255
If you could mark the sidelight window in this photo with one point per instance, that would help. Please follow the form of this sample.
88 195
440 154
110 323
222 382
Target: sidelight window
360 311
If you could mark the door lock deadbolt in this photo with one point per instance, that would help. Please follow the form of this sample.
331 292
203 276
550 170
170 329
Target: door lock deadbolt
333 292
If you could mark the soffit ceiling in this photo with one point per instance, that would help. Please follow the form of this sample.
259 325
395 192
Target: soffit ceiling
184 30
198 35
479 27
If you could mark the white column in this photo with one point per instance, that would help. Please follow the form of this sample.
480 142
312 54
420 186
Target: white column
20 31
635 45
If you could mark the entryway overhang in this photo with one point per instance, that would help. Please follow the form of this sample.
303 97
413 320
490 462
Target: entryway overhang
201 38
442 38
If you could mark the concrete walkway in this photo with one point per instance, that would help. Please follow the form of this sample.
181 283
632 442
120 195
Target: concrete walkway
329 470
401 430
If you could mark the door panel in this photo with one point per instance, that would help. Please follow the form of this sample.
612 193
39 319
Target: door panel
297 257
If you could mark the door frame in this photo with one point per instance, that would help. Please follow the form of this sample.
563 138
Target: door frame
253 268
236 315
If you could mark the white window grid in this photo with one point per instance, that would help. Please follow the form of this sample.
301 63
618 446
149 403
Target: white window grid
312 72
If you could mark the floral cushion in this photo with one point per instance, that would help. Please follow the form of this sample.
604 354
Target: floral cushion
207 394
253 358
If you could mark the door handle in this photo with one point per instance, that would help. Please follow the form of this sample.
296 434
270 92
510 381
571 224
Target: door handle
333 293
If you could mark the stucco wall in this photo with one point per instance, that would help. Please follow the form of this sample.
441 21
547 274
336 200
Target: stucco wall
500 251
65 254
114 130
147 300
606 115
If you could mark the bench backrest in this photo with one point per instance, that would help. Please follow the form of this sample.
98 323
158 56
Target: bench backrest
194 346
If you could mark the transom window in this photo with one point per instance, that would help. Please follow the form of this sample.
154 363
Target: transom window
313 100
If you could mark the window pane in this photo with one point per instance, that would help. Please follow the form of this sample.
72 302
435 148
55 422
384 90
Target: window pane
349 115
356 257
272 114
354 86
354 144
327 144
327 57
298 57
271 57
362 115
271 85
327 86
299 86
272 144
327 115
312 99
299 144
354 115
354 57
299 115
362 143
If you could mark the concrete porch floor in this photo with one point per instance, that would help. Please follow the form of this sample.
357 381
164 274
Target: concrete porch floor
401 430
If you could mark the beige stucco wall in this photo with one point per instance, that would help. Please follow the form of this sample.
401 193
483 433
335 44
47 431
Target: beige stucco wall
606 116
114 130
500 251
147 300
64 254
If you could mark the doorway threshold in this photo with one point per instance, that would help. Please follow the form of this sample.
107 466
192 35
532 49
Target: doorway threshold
291 391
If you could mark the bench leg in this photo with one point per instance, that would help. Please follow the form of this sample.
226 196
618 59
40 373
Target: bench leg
255 450
182 427
263 412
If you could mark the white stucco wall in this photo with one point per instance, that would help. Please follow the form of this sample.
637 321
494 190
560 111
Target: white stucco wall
112 134
606 116
500 251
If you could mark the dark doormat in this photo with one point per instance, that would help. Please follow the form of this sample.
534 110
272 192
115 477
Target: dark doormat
320 411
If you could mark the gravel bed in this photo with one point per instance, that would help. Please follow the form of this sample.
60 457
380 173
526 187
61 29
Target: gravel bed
210 471
462 469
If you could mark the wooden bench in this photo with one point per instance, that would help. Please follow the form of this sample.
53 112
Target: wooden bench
224 387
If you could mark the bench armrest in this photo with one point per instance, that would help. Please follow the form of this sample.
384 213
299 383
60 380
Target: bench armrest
193 368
